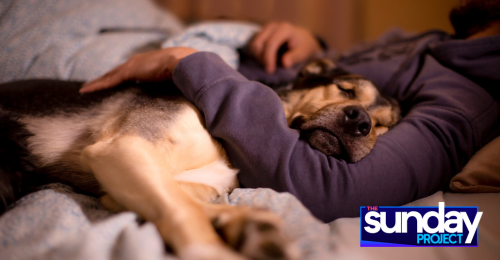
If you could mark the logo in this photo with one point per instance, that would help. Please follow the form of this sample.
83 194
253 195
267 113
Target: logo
419 226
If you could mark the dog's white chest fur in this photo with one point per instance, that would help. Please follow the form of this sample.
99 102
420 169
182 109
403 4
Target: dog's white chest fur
216 175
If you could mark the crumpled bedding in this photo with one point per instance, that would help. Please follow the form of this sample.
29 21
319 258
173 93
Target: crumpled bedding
223 38
57 223
82 39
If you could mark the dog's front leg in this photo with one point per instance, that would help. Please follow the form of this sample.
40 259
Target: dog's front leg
132 171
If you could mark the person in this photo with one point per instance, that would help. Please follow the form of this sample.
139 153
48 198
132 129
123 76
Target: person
447 87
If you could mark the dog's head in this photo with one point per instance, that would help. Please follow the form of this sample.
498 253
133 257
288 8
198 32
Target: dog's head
338 113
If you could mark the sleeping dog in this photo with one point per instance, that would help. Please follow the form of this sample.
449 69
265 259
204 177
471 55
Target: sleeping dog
338 113
144 148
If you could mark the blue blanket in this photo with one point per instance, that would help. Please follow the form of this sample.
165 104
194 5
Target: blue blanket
57 223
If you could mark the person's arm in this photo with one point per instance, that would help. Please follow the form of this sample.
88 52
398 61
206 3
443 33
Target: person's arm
449 120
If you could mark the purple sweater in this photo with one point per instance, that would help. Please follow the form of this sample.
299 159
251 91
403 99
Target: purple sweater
447 117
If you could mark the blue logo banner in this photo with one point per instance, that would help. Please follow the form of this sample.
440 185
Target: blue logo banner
419 226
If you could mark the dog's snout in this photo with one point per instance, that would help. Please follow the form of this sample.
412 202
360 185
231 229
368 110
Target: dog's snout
357 121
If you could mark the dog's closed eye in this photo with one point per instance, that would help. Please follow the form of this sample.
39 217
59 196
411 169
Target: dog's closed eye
349 92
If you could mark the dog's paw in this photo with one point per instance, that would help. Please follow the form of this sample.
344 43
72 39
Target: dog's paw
256 234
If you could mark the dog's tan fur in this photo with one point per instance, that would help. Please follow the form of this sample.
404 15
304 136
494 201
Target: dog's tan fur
154 157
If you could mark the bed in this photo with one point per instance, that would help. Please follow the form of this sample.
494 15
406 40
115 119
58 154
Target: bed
57 223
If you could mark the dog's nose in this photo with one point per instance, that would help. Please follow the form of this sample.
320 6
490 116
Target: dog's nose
357 121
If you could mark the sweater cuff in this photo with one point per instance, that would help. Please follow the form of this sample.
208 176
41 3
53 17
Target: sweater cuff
197 72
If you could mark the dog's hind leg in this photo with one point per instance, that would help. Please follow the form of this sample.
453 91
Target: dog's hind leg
132 171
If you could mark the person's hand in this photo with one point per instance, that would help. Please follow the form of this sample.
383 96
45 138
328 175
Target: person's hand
148 67
300 42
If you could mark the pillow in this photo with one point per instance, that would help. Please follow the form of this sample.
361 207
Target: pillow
482 172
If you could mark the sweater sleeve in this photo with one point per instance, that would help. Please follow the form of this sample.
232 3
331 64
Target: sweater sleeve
413 160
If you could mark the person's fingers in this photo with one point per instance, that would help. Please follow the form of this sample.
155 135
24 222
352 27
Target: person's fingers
270 53
98 84
293 56
257 44
301 47
108 80
152 66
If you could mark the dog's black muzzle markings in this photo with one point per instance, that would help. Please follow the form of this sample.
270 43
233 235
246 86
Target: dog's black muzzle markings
330 131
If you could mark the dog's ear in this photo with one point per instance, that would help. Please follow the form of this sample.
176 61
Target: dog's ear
318 72
320 67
